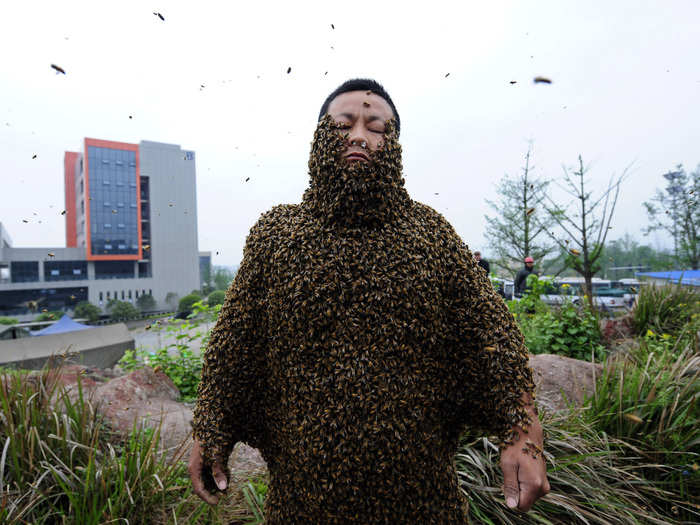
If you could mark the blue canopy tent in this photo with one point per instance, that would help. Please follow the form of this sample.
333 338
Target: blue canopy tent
64 324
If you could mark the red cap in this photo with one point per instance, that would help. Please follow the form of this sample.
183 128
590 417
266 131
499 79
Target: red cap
529 259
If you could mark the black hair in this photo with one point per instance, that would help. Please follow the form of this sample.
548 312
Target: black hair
361 84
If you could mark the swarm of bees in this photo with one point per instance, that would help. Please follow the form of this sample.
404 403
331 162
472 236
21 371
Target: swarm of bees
356 343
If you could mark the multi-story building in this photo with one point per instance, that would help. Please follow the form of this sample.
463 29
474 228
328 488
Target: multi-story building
131 230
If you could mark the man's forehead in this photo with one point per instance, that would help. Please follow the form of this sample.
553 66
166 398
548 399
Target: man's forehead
354 101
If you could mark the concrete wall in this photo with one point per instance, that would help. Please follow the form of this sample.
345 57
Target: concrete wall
100 347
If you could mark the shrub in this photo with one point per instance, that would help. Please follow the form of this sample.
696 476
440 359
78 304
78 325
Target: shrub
122 310
186 303
146 303
53 315
666 309
8 320
87 310
216 297
567 330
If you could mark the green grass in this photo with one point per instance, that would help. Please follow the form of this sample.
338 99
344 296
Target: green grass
60 463
667 310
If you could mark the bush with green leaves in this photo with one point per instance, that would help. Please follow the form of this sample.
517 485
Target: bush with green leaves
186 303
121 311
146 303
568 329
87 310
666 309
53 315
8 320
180 360
216 297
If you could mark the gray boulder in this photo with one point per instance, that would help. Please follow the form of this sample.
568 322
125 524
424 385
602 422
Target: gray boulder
560 379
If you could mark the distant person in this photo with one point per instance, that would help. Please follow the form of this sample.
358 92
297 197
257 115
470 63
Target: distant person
521 277
482 262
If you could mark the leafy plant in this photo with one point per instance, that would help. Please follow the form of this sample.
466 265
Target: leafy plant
8 320
123 310
87 310
187 302
177 359
53 315
216 297
568 330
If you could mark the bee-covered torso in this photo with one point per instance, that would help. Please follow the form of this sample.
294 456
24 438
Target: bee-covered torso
353 354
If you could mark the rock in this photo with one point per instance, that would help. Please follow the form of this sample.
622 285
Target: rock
148 398
246 463
560 379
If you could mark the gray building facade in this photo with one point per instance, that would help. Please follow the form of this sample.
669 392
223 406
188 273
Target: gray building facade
131 230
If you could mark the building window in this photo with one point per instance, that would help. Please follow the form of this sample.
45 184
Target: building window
150 292
16 302
136 293
24 271
101 296
114 270
144 270
65 270
110 174
122 295
129 294
108 296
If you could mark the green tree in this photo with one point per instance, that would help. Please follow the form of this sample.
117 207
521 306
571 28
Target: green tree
586 224
122 310
186 303
676 210
223 277
216 297
87 310
146 303
625 256
519 227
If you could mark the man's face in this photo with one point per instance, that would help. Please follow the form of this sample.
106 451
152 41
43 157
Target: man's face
477 256
529 265
363 117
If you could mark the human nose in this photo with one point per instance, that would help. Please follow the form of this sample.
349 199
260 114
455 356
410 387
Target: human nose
358 135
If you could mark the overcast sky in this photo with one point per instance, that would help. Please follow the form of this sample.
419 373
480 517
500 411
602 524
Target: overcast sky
626 89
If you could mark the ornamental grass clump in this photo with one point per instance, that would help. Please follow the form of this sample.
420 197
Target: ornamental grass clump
594 479
648 396
60 463
667 310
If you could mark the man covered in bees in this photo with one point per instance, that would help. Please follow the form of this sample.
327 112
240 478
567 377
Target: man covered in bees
357 343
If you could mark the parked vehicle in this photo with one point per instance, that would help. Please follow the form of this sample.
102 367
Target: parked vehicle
504 287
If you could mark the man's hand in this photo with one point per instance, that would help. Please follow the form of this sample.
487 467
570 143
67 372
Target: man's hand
203 479
524 468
